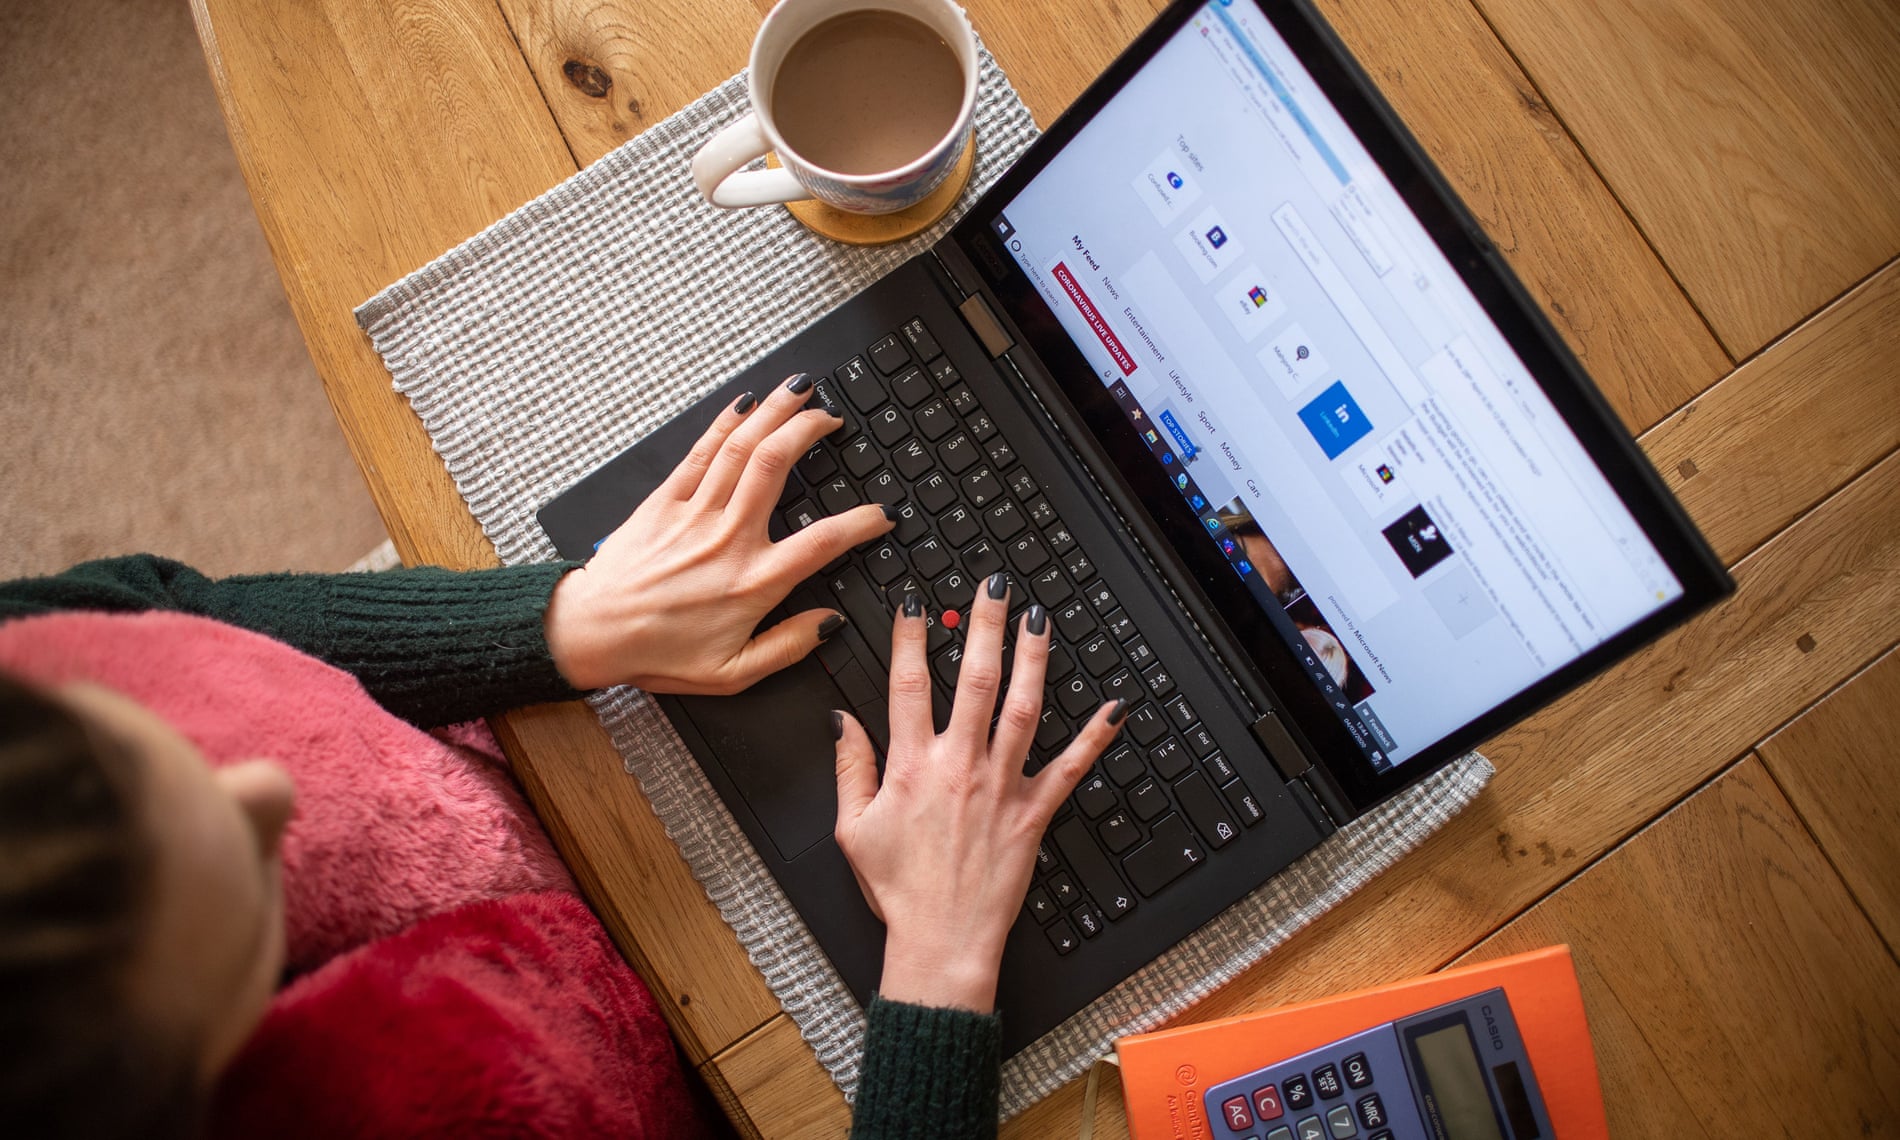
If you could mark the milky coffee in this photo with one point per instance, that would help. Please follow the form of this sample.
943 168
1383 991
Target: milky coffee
866 92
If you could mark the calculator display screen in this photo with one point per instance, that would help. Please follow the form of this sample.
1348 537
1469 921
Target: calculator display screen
1457 1095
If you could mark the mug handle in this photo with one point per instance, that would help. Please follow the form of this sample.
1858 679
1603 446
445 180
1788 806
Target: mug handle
716 169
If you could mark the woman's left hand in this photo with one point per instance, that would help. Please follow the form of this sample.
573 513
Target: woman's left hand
670 600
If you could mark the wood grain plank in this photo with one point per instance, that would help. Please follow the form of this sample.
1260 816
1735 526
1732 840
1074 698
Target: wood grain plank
1763 1001
632 874
1836 764
1801 419
372 139
1814 604
784 1090
1756 142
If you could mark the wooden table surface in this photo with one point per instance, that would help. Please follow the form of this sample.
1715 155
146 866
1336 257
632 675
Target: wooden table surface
1701 195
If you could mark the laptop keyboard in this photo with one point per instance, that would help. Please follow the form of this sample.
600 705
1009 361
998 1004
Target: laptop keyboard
1163 796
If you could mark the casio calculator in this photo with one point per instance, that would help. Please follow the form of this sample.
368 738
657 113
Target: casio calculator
1454 1072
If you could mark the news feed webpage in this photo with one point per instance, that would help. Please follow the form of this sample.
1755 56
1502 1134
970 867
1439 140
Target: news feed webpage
1359 442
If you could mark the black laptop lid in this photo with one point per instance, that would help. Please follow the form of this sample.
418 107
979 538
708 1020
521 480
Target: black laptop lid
1362 440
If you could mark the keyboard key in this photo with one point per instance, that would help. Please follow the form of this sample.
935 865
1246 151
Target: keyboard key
1139 655
1168 759
923 346
1123 765
800 515
818 465
824 394
1201 740
1062 938
1219 768
1051 587
955 591
980 559
1118 833
1204 807
1062 888
1236 1115
1121 627
934 492
1005 520
1060 664
1098 655
1358 1075
1001 453
1326 1081
958 453
1045 859
1074 620
1371 1108
1122 686
1182 712
1095 798
958 526
1146 724
883 487
1149 799
1340 1121
1040 512
962 400
944 373
1078 565
1039 905
1093 868
912 459
1158 681
858 385
889 355
1170 853
1028 555
865 608
1086 920
930 557
1023 486
1051 729
911 388
982 427
1075 696
889 425
981 487
935 420
1266 1103
1298 1090
837 496
861 457
856 685
910 524
1060 540
885 563
947 665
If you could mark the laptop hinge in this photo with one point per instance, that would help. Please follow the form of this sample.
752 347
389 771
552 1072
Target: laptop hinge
1313 787
1288 757
976 313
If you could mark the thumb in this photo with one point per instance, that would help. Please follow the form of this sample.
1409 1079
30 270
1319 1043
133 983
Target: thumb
857 768
783 645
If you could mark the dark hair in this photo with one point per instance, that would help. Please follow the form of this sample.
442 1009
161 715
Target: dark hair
75 889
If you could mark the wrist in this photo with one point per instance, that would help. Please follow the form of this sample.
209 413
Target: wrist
565 626
954 975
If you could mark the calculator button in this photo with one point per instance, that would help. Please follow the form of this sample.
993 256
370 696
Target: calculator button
1385 1134
1358 1073
1326 1080
1372 1111
1340 1121
1266 1103
1310 1128
1236 1115
1298 1091
1281 1133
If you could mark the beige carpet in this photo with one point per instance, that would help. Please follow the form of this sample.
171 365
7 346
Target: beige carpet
154 392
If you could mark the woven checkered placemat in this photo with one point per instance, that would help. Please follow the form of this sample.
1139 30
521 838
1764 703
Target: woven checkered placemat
568 330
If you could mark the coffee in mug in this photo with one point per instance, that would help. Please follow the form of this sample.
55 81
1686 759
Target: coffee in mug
868 104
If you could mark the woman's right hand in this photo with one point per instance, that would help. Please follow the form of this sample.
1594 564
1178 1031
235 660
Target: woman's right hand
945 848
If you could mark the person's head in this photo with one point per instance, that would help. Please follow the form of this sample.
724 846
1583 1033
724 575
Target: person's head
141 920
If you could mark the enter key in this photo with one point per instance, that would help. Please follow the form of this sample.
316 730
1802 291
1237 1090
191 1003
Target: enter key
1172 852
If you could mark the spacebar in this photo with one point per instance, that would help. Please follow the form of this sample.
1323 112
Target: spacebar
864 607
1093 868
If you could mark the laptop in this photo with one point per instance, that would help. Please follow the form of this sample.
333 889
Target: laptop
1222 374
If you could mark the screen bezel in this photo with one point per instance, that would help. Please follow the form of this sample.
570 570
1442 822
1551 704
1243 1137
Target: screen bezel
1519 320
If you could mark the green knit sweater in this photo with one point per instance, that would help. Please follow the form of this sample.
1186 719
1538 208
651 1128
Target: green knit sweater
438 647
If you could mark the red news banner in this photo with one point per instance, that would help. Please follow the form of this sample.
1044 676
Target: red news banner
1090 314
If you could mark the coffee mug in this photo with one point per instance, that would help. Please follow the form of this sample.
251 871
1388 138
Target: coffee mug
900 178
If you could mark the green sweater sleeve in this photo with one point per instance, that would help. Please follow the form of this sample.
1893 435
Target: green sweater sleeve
928 1073
432 646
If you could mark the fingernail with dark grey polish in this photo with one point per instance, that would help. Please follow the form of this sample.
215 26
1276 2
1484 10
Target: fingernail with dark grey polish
891 511
837 725
746 403
1038 621
799 384
913 605
1119 713
999 585
829 628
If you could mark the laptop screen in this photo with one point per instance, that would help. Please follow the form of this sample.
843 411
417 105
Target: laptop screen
1360 443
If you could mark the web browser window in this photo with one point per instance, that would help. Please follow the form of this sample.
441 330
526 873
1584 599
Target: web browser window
1357 438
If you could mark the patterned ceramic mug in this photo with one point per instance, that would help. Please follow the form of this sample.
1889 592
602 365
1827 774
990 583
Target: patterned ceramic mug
716 168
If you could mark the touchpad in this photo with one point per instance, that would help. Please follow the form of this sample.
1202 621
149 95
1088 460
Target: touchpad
774 743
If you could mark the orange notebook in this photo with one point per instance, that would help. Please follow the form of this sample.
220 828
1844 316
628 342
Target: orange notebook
1165 1074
